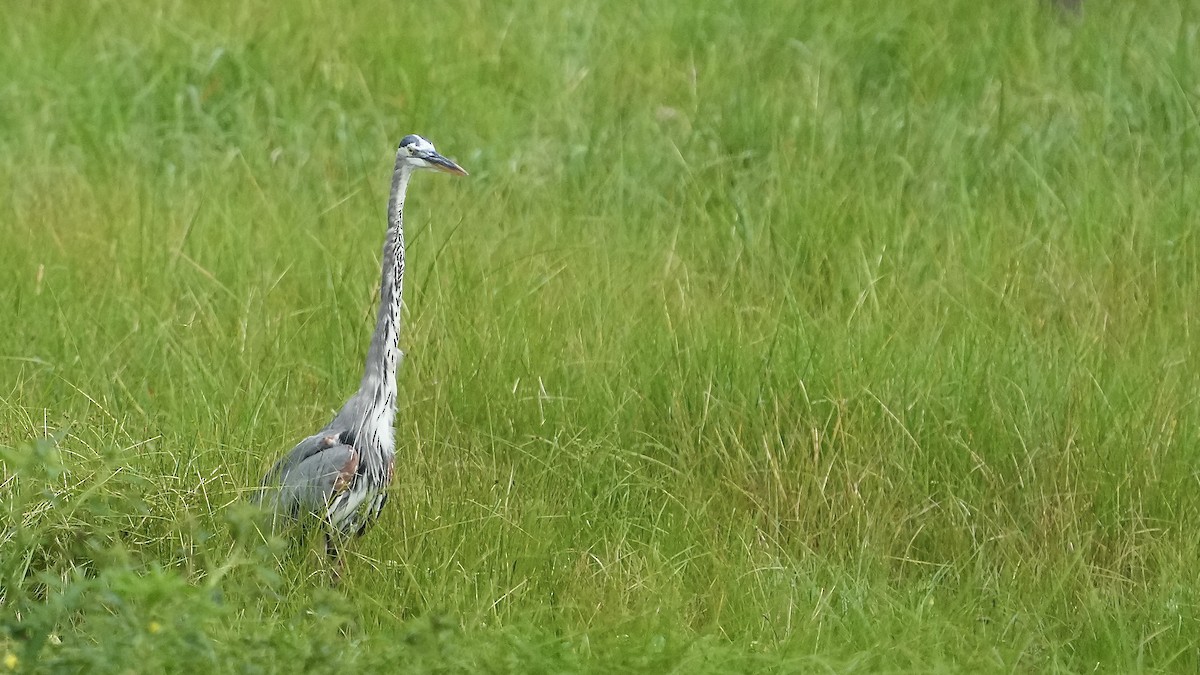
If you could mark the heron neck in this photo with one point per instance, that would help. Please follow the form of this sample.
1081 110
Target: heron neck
379 378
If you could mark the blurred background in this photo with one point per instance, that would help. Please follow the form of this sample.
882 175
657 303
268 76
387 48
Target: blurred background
763 336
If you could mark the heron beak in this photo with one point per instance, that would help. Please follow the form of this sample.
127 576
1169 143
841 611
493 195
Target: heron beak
442 164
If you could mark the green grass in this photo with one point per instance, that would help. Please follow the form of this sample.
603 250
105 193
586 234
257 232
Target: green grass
763 337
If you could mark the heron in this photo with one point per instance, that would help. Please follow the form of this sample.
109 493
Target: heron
340 475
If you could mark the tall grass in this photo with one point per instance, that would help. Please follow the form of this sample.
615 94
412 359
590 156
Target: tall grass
786 336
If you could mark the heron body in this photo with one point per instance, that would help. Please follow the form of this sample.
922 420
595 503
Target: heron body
341 474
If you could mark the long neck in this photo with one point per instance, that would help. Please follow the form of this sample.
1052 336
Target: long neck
379 377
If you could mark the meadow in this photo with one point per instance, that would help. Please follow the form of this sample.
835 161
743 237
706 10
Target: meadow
763 337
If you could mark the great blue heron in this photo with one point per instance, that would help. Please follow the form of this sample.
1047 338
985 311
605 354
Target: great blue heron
340 475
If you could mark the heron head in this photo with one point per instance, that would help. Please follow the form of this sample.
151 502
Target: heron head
420 154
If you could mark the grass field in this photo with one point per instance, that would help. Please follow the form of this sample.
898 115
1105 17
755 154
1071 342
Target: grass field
764 337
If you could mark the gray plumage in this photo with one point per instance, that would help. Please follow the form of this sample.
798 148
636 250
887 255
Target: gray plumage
340 475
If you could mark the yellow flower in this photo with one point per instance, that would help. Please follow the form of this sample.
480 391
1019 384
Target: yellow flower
11 661
154 627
